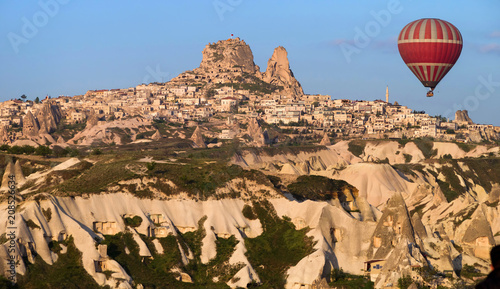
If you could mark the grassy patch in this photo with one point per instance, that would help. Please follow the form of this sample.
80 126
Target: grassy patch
425 146
201 179
343 280
278 248
248 212
318 188
32 225
466 147
97 178
407 158
47 213
357 147
134 222
66 272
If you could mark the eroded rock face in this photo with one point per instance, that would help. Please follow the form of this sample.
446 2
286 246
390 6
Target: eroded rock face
278 72
254 130
30 125
325 141
4 135
197 138
156 136
462 116
92 120
49 117
228 55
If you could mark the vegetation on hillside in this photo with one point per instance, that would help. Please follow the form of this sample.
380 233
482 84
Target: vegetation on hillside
66 272
318 188
278 248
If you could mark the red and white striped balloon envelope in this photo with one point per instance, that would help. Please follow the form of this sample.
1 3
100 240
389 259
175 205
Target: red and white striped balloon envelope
430 47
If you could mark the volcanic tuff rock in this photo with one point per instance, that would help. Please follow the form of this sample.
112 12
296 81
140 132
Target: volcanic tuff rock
227 55
197 138
255 132
18 172
4 135
156 136
92 120
278 72
463 117
325 141
30 125
49 117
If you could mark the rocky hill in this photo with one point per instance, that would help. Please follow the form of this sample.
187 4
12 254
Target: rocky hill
230 62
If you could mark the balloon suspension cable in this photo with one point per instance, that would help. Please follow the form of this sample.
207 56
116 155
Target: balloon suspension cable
430 93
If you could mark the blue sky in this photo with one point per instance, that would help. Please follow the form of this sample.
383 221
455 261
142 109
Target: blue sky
77 45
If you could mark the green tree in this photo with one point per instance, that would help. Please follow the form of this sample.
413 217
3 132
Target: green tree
37 100
23 97
43 151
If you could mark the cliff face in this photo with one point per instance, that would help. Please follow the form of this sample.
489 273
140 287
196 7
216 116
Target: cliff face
30 125
278 72
462 116
49 117
197 138
228 55
231 61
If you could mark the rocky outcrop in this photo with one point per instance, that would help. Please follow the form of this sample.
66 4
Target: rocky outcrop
9 171
30 125
92 120
478 237
462 117
197 138
156 136
49 117
4 135
18 172
325 141
228 55
254 130
393 226
278 72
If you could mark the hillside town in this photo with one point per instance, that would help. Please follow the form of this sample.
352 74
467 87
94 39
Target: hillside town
228 85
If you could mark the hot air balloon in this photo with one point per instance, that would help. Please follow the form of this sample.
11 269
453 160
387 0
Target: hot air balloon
430 47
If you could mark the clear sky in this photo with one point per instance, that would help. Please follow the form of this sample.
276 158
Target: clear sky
66 47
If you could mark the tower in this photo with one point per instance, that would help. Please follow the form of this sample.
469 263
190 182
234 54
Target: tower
387 94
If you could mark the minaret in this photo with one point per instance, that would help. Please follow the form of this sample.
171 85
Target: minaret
387 94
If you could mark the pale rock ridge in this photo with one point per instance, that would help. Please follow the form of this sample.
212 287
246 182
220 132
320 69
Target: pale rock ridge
375 182
9 170
197 138
478 236
104 131
18 172
278 72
